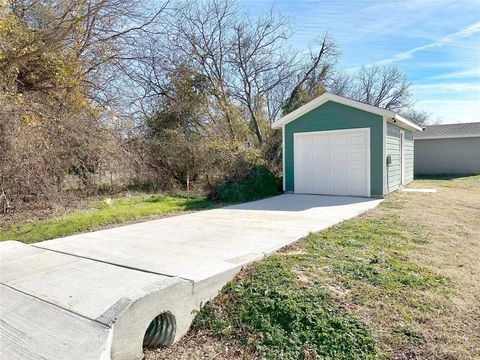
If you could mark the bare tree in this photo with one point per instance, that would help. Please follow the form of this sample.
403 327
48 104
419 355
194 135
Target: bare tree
312 75
55 60
341 83
419 117
382 86
98 34
263 63
245 62
203 37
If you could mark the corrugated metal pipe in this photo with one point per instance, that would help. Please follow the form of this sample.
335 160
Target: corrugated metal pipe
161 331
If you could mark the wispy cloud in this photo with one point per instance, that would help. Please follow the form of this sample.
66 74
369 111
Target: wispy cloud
406 55
452 111
474 87
475 73
434 42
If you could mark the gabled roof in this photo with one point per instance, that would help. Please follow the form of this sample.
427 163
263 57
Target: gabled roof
402 122
445 131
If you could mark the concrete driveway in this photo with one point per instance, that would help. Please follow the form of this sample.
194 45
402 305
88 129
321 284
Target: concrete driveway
106 286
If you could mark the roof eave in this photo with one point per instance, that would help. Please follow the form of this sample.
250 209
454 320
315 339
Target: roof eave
447 137
345 101
407 123
301 110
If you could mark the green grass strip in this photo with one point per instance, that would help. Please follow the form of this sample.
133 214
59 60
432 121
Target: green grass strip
103 213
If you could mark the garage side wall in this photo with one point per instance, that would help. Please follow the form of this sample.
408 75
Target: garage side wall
447 156
334 116
393 150
409 156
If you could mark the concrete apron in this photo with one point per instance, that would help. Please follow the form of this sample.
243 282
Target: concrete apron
93 295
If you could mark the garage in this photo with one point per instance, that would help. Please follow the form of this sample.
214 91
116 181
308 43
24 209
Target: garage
337 146
332 162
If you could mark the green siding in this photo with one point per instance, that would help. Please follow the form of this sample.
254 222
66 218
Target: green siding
334 116
393 149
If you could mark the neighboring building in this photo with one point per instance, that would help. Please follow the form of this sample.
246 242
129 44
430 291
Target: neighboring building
448 149
338 146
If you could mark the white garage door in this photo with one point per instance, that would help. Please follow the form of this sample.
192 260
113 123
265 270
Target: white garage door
333 162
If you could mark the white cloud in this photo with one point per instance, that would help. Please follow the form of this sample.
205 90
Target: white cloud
405 55
474 87
452 111
458 74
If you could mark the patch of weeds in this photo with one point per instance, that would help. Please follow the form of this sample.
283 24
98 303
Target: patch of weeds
394 204
282 318
406 335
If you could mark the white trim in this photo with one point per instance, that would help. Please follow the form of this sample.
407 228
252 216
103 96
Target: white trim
402 157
446 137
369 165
407 123
331 131
345 101
283 160
384 157
366 130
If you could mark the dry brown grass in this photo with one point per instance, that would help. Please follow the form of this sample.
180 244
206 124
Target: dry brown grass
450 328
452 217
202 346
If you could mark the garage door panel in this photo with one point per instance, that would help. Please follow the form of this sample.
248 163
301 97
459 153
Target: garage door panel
340 188
357 156
340 171
340 155
357 173
308 143
357 140
309 187
323 156
321 143
357 188
340 140
332 163
322 187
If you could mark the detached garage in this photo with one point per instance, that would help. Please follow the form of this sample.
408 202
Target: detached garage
337 146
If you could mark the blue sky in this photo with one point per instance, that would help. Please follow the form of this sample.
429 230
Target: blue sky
437 43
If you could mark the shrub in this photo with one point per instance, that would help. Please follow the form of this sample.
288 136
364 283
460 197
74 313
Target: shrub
258 184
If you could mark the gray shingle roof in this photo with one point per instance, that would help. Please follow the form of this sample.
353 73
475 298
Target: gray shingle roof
450 130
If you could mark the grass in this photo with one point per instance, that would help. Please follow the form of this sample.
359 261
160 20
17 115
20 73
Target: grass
101 214
399 282
280 317
259 184
292 303
446 176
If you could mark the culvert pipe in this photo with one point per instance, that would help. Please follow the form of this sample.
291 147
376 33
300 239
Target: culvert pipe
85 309
159 317
161 331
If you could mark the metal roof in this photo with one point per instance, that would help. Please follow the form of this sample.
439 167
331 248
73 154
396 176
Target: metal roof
449 131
